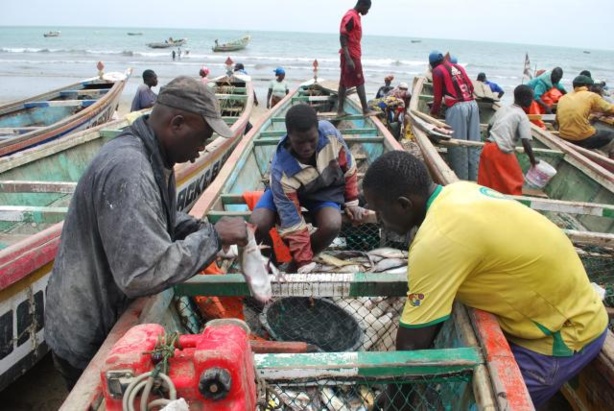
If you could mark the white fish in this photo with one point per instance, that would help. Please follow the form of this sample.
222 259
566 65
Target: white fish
254 268
389 263
388 252
332 402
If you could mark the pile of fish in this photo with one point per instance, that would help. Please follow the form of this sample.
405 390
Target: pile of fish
328 398
379 260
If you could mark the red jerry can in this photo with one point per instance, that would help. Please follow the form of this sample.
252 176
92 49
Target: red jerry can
211 371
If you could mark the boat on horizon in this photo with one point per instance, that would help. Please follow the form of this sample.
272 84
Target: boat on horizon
131 33
36 187
52 34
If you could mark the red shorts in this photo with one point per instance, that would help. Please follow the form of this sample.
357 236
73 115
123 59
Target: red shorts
500 171
349 77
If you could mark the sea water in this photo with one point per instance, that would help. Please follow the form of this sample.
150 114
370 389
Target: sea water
31 63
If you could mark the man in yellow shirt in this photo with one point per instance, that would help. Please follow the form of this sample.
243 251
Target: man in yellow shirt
538 289
572 115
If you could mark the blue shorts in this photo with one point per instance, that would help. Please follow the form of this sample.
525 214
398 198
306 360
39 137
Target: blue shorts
544 375
266 201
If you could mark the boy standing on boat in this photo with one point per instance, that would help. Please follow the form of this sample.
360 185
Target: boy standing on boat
499 168
122 237
312 168
145 96
453 88
539 291
350 36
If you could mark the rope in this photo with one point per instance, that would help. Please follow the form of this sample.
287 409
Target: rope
160 355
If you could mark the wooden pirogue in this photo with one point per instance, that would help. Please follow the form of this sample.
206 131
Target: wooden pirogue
36 186
471 365
42 118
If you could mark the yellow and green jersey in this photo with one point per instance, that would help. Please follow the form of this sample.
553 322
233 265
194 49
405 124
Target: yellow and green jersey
497 255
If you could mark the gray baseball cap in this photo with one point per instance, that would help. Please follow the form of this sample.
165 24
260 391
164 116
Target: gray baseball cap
188 94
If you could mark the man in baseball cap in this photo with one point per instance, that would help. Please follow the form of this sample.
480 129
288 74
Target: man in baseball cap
188 94
124 236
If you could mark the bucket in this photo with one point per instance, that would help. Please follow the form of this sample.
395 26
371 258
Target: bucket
540 175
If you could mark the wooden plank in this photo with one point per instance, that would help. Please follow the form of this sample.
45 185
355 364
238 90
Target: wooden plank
533 192
301 285
349 131
590 238
350 365
571 207
312 98
17 130
32 214
233 97
16 186
466 143
214 216
87 92
59 103
232 199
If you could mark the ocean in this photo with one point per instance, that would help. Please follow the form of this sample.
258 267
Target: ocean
31 63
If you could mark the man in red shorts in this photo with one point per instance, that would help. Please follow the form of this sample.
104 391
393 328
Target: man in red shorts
351 66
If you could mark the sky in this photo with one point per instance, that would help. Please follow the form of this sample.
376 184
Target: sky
570 23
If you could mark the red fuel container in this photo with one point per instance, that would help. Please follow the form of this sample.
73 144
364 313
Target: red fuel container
211 371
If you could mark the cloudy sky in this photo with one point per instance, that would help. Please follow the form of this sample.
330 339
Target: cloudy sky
583 24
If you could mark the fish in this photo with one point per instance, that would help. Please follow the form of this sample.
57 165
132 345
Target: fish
388 264
387 252
331 260
332 401
254 268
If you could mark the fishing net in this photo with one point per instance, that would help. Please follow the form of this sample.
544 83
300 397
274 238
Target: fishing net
434 392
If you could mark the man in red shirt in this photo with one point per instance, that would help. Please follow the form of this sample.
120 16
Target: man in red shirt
454 88
351 66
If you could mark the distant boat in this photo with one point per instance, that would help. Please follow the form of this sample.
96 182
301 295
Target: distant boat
416 41
168 43
131 33
52 34
586 52
234 45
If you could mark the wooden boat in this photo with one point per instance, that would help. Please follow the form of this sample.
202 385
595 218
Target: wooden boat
167 43
42 118
234 45
35 190
472 365
579 199
51 34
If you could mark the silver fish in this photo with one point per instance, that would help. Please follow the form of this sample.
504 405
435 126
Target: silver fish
388 252
389 263
254 268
